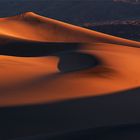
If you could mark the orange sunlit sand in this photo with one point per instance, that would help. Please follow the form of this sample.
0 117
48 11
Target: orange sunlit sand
77 63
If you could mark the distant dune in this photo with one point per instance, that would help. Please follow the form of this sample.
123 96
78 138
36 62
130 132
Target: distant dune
45 61
38 28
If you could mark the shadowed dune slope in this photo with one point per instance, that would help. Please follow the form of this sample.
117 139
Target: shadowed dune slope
110 116
128 132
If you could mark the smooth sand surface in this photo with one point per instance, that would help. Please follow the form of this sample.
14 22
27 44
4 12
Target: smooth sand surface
45 61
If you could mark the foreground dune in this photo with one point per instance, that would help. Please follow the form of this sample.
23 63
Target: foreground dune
44 61
95 67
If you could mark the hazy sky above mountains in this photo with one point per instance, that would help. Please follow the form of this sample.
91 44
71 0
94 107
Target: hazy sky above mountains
74 11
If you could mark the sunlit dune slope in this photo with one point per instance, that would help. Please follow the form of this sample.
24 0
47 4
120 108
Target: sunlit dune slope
31 26
41 62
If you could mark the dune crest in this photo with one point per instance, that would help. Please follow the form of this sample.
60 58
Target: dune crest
38 28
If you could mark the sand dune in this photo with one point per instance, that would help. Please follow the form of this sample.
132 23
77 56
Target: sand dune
44 61
92 64
38 28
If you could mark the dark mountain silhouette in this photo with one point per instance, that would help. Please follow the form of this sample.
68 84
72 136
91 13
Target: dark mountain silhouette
129 1
125 29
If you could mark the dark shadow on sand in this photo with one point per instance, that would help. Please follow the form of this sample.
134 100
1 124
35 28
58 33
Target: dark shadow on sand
31 49
118 109
121 132
73 61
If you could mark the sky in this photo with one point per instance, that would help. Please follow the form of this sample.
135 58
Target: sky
73 11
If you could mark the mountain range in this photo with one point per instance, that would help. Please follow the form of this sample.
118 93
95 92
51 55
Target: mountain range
128 1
